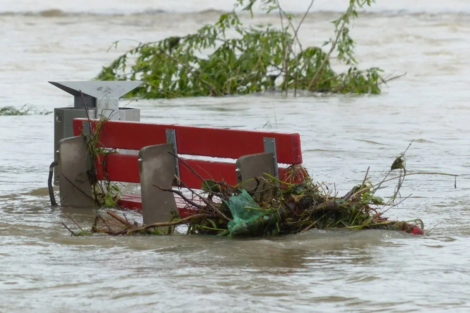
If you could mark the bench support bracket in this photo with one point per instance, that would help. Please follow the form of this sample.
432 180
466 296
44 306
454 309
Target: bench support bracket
171 138
270 147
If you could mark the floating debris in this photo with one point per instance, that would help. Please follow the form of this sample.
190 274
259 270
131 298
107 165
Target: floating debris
273 208
24 110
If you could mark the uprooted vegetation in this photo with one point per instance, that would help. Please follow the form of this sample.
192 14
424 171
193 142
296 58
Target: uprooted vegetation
271 207
272 210
210 62
105 192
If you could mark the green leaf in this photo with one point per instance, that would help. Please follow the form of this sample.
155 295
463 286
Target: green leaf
376 200
84 233
249 7
210 185
109 201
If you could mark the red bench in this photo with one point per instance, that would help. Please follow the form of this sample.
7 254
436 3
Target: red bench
256 152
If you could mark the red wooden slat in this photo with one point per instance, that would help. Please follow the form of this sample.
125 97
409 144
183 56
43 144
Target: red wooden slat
214 142
218 171
119 167
125 168
131 202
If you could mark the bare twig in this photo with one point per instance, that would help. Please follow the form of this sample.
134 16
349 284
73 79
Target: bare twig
126 218
120 219
191 169
416 173
73 220
380 184
165 224
300 24
396 204
327 57
71 231
95 223
406 150
208 203
280 14
394 77
352 195
365 177
181 195
81 191
309 226
105 222
195 173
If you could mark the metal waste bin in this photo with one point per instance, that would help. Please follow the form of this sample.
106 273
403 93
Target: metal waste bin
99 98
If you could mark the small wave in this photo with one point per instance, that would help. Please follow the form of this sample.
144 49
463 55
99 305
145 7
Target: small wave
422 140
50 13
60 13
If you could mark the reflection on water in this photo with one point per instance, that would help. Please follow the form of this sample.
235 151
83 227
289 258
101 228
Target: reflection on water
43 267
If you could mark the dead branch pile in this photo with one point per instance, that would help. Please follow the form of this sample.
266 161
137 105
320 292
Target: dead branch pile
272 208
275 207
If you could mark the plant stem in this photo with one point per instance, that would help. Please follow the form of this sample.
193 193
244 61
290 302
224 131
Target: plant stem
327 57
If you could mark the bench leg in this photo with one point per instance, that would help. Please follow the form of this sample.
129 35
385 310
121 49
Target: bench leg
157 167
74 162
254 165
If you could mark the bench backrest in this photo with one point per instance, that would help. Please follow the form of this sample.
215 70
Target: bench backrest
200 141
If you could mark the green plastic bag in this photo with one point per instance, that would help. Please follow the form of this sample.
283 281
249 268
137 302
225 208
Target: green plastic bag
248 217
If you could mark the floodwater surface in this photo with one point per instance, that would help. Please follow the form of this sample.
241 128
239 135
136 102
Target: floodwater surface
43 269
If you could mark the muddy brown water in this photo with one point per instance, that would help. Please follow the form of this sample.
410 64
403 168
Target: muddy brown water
43 269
